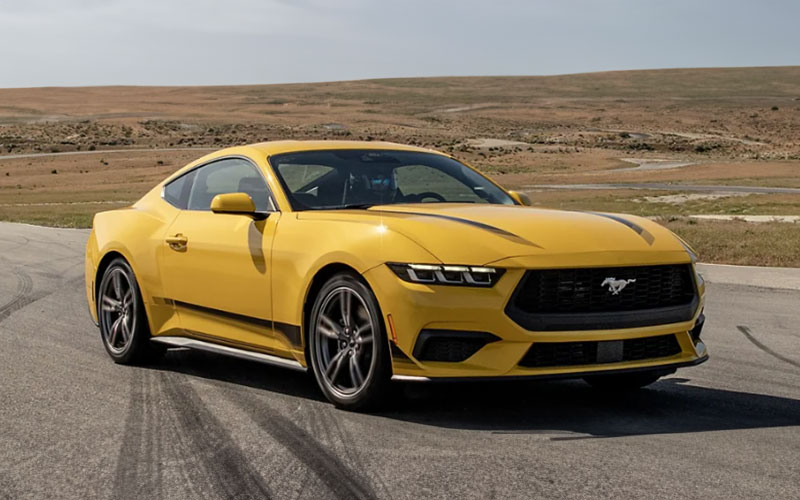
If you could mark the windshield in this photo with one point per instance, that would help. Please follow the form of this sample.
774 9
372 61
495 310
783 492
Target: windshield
320 180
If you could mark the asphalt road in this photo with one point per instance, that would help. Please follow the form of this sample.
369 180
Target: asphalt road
74 425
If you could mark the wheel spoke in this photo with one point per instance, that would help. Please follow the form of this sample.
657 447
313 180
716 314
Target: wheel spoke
335 366
355 372
345 302
330 325
114 331
117 283
110 305
328 332
127 300
126 332
364 339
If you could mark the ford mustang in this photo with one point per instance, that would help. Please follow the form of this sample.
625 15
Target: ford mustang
368 262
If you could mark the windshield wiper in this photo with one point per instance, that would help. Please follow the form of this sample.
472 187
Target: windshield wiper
357 205
348 206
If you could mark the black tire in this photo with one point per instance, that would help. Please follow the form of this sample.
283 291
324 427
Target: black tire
345 347
135 348
623 381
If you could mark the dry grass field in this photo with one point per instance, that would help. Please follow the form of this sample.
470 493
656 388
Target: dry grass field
103 147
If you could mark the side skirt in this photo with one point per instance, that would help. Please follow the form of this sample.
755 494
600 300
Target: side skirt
229 351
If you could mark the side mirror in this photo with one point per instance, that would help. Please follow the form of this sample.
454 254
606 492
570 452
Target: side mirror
520 198
236 204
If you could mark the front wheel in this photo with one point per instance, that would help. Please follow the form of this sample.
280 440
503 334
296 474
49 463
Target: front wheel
347 344
123 322
623 381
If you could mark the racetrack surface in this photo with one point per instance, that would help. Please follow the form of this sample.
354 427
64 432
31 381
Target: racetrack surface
75 425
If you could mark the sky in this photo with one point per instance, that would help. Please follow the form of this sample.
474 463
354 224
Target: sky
210 42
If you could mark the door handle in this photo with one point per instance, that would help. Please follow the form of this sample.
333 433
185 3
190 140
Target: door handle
177 242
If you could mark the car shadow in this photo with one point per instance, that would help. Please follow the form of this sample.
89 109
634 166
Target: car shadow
567 409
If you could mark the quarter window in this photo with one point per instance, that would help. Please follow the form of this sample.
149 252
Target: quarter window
176 193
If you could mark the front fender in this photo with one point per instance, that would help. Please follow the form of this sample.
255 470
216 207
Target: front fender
303 247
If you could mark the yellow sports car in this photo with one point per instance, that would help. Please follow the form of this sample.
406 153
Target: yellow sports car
368 262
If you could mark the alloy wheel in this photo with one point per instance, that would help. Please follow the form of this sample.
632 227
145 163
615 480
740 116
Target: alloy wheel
118 310
345 342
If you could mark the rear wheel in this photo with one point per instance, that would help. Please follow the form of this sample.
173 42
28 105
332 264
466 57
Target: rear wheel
123 322
623 381
349 355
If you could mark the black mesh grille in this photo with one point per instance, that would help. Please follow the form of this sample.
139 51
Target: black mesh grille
450 345
582 290
650 347
592 298
548 354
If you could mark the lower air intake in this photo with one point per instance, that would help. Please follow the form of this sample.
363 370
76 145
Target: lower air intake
550 354
451 346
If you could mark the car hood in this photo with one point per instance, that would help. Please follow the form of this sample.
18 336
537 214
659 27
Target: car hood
484 234
519 236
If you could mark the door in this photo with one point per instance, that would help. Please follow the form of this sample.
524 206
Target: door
216 267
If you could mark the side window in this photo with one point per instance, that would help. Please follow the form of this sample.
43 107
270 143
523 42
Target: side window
228 176
176 193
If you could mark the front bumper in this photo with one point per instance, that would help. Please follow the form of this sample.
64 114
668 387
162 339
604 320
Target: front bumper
417 307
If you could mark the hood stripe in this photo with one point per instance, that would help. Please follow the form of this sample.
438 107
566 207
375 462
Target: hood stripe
644 233
481 225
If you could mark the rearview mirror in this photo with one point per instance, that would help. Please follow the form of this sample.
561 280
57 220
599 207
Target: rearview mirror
236 204
520 198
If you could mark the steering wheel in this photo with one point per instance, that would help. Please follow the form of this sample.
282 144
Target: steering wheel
418 197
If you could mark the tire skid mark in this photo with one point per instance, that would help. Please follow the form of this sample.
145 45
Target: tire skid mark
138 472
329 417
335 475
212 444
749 335
16 244
24 298
194 481
22 295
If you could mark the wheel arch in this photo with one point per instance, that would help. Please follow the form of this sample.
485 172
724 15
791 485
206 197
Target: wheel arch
108 257
315 285
102 265
312 290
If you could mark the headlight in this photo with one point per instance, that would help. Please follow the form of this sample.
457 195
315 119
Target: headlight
434 274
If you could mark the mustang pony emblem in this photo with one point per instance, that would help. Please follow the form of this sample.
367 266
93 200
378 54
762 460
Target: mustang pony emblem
615 286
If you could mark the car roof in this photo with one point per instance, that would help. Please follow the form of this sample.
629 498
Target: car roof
271 148
292 146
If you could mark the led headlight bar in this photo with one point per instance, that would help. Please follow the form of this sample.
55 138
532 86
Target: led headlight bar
434 274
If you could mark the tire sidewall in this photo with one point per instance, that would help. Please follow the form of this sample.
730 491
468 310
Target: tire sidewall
378 378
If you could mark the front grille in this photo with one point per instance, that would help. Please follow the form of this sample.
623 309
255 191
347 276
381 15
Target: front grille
551 354
450 345
580 299
581 290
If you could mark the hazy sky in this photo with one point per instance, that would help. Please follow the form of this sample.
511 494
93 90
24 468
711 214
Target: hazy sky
100 42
